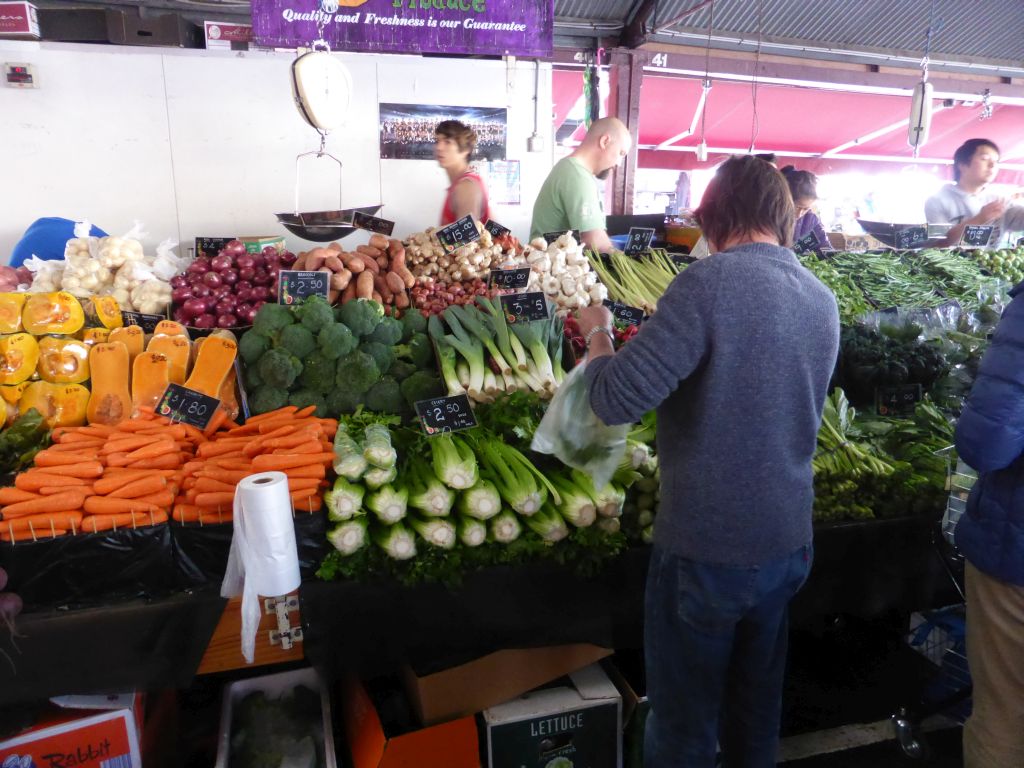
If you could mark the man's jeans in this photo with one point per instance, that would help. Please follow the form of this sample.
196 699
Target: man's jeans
715 646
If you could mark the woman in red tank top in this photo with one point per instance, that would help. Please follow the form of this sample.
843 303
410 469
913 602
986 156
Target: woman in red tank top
467 193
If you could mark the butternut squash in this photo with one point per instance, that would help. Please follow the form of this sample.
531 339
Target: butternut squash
57 312
170 328
134 339
92 336
19 353
151 373
228 397
215 359
110 401
176 349
61 405
108 312
11 305
63 360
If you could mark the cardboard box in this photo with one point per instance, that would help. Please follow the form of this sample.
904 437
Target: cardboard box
274 686
84 731
121 27
492 679
255 244
19 21
373 744
844 242
580 722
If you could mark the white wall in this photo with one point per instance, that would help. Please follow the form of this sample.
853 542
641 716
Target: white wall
204 142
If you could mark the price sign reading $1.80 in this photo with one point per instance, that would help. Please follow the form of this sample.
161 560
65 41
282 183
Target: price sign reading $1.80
182 404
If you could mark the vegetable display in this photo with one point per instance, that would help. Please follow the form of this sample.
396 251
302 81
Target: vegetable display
1006 263
636 282
562 271
374 271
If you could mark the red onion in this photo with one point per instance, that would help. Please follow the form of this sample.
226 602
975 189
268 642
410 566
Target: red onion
261 277
213 279
205 320
288 258
243 294
245 261
225 306
257 260
179 281
269 250
193 307
246 274
234 248
198 267
229 276
181 295
221 263
227 321
200 290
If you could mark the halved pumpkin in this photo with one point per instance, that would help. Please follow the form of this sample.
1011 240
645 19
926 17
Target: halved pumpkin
63 360
19 353
11 305
57 312
11 393
107 311
61 405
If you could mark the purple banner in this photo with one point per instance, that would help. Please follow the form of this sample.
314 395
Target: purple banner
481 27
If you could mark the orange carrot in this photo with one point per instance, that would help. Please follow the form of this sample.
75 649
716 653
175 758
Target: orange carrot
144 486
43 522
303 484
71 437
186 513
313 446
152 451
271 462
215 499
225 475
271 429
173 431
127 444
316 471
14 495
216 422
34 480
304 412
286 410
210 485
75 447
47 459
51 490
307 503
111 522
58 502
83 469
104 505
167 461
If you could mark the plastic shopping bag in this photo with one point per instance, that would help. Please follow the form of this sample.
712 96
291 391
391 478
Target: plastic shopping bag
573 433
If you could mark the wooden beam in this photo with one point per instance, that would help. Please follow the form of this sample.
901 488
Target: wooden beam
627 68
634 34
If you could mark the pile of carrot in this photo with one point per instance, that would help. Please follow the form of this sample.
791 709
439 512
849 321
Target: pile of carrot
146 469
288 440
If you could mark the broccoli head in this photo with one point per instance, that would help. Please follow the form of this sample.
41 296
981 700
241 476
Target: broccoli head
361 316
267 398
317 373
356 372
315 313
279 368
401 370
388 333
341 401
298 340
381 354
301 398
421 386
385 397
413 321
418 351
335 340
251 377
271 319
252 345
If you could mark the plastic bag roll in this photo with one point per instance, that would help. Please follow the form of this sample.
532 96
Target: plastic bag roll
263 558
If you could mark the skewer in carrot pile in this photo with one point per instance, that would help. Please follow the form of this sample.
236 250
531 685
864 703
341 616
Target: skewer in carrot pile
145 469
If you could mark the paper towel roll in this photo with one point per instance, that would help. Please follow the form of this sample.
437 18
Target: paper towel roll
263 558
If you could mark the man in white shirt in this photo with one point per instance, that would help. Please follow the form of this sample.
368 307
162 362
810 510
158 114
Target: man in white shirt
969 201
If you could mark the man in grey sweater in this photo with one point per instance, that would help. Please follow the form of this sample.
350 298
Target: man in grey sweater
737 361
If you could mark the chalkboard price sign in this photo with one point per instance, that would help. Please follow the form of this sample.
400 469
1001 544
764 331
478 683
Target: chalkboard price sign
365 221
510 279
899 399
624 312
638 241
524 307
462 232
496 229
911 237
146 322
211 246
808 243
295 285
445 414
977 235
182 404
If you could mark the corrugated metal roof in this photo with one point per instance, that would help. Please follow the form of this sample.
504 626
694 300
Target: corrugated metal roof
992 30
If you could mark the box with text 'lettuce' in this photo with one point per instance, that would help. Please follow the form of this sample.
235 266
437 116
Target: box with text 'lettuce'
579 723
82 731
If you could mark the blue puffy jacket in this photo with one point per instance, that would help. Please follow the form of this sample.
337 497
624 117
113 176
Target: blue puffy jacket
990 437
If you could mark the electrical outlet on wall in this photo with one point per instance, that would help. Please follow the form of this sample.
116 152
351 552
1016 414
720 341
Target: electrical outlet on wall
18 75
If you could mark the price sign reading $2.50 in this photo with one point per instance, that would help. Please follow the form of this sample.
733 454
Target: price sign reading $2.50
445 414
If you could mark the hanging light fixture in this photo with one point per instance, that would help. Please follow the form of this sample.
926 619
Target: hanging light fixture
921 99
702 147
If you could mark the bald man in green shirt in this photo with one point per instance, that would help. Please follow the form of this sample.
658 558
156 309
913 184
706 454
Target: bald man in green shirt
569 197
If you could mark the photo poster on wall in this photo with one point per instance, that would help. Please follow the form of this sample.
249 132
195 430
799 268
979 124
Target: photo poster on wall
502 180
407 130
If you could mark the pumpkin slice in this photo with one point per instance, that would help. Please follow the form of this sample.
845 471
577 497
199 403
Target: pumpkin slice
61 405
92 336
58 312
19 354
11 305
11 393
151 373
176 349
133 337
62 360
110 401
215 359
107 311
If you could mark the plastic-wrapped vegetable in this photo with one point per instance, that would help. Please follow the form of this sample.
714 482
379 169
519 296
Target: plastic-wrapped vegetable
377 447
